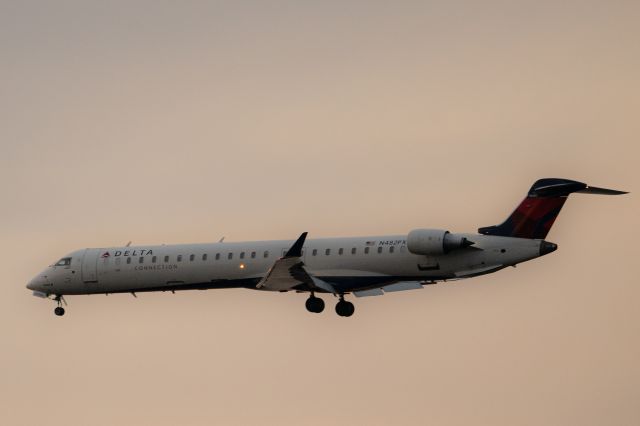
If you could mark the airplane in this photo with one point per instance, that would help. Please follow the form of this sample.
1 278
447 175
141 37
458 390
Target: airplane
362 266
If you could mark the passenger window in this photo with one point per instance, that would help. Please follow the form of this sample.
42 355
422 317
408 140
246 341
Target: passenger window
392 249
253 254
353 250
128 260
314 252
327 252
230 256
204 256
141 259
153 259
366 250
217 256
380 250
179 258
340 251
192 257
166 259
64 262
241 255
266 254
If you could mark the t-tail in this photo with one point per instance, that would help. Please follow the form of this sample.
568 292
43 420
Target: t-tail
534 217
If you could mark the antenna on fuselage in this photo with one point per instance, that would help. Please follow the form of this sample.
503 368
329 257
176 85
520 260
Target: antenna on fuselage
222 240
128 244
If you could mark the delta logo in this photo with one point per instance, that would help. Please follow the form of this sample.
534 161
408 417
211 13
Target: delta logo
136 252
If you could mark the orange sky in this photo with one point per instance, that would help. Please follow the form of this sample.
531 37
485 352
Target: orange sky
165 122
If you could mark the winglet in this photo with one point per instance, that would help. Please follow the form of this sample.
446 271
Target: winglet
296 248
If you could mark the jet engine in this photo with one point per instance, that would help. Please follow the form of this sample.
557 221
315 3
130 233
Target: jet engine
433 242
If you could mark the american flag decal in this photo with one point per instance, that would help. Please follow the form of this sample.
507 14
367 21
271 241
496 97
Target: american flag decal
106 254
371 243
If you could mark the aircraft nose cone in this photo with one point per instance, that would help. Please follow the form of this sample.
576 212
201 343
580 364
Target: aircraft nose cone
547 247
35 284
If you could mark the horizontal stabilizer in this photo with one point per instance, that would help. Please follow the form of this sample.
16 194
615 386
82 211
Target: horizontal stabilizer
600 191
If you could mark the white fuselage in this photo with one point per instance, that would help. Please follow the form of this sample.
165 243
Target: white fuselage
349 264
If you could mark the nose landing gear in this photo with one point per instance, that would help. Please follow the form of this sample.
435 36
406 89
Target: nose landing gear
59 310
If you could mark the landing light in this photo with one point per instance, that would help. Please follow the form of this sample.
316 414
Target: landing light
242 266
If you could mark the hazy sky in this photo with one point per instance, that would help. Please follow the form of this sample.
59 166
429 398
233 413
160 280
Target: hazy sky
170 122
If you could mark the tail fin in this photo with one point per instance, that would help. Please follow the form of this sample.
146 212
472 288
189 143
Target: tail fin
534 217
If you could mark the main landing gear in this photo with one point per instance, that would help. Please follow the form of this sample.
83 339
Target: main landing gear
344 308
59 310
316 305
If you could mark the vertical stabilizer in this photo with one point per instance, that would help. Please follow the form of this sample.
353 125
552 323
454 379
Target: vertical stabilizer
536 214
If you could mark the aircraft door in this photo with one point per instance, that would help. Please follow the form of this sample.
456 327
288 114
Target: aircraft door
90 265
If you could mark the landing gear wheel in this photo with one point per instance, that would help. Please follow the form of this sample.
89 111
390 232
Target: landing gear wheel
59 311
314 304
344 308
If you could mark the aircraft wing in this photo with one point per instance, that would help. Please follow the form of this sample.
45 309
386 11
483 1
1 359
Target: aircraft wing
399 286
289 272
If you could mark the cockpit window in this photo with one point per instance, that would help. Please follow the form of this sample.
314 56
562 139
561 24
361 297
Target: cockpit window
64 262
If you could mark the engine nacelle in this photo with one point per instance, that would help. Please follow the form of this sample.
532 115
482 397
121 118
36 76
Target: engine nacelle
433 242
